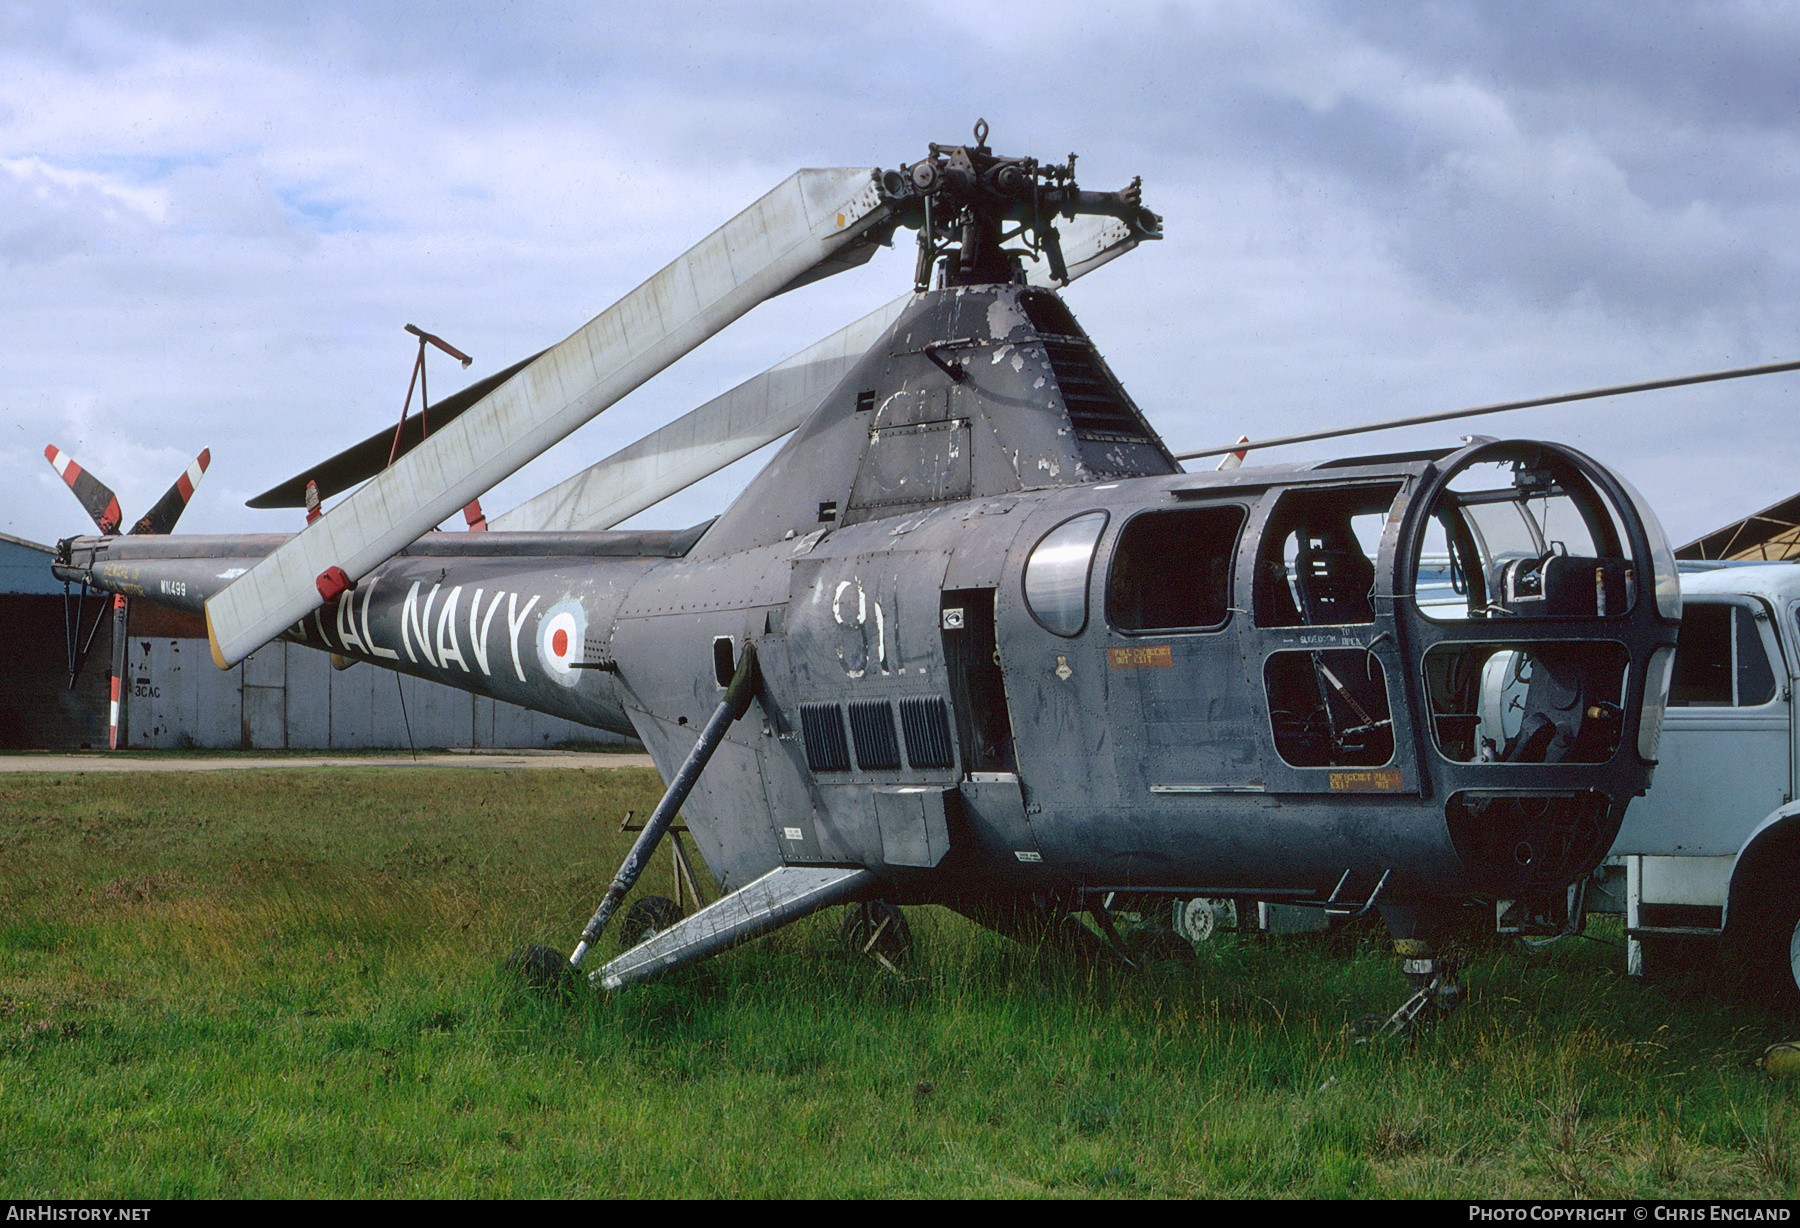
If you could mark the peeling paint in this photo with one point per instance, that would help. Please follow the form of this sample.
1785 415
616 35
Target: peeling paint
1004 318
837 602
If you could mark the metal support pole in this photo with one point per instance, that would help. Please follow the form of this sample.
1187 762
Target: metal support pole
736 702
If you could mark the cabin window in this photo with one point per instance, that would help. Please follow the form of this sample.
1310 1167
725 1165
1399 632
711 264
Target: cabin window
1056 574
1329 708
1172 570
1316 567
1719 660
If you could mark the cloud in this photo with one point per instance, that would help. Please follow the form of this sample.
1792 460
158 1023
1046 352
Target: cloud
215 218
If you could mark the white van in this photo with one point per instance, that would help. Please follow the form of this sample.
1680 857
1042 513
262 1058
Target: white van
1713 850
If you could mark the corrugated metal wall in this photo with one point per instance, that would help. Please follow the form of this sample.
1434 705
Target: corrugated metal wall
287 697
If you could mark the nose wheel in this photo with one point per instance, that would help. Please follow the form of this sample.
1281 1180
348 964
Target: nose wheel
1436 991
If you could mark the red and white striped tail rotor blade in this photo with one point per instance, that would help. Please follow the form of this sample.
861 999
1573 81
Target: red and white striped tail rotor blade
101 503
161 518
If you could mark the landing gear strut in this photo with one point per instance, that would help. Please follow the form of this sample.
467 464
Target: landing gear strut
1436 991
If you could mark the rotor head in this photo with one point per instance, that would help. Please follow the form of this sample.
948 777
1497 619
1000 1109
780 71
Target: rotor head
968 203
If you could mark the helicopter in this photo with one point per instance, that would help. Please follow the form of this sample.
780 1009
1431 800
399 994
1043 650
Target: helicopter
974 637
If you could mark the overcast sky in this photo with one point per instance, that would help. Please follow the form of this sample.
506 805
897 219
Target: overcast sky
216 218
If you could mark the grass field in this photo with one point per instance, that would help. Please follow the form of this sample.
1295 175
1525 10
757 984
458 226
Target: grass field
288 983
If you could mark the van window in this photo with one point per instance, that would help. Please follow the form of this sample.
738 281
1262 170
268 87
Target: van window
1719 659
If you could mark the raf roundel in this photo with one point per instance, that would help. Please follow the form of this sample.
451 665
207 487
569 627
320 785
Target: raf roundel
560 639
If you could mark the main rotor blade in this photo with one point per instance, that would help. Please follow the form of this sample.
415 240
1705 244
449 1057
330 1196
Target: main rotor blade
760 410
361 461
1561 399
1089 240
768 247
703 441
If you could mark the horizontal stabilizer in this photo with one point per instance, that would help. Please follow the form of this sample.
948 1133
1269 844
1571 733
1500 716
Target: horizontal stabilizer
360 462
778 897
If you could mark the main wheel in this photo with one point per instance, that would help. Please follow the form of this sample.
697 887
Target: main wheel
877 929
646 918
542 968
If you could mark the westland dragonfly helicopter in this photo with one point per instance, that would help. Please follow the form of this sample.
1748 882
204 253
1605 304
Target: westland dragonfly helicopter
974 637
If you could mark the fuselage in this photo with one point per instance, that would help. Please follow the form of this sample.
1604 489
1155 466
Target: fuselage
1009 648
1211 684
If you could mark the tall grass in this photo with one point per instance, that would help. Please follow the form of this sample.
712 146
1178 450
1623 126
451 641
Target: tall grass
289 983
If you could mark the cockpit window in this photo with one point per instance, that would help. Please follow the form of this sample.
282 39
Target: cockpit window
1172 570
1056 574
1521 537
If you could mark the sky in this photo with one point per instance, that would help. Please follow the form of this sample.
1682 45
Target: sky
215 219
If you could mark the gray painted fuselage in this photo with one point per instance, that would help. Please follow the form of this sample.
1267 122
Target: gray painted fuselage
921 717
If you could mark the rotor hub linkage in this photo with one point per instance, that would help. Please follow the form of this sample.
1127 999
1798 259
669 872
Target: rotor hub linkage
962 199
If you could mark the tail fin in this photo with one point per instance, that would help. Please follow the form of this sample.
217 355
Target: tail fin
100 502
161 518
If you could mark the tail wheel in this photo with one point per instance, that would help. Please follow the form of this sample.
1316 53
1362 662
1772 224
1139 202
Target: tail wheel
878 930
649 916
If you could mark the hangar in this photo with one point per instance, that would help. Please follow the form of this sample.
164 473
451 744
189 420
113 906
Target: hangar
283 697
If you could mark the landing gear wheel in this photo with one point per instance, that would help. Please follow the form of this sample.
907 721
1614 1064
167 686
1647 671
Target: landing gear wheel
1199 920
878 930
542 968
645 919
